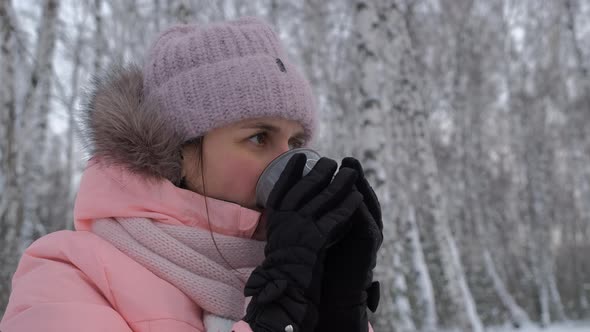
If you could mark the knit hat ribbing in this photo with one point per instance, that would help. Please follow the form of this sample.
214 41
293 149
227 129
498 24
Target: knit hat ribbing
205 77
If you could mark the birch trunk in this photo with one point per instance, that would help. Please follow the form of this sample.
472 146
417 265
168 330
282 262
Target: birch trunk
518 315
425 301
384 51
370 95
70 139
99 42
432 218
34 119
11 210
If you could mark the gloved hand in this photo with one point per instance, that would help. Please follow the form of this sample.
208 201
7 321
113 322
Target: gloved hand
305 216
347 285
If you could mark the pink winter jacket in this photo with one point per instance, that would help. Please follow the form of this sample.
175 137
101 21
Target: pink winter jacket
76 281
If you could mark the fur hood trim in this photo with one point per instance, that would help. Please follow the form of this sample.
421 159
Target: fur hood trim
120 125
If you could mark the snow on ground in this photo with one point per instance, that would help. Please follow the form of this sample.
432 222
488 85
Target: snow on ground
571 326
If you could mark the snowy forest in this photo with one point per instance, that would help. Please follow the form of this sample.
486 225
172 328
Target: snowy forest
471 118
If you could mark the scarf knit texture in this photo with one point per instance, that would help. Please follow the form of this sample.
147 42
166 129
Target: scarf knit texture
187 258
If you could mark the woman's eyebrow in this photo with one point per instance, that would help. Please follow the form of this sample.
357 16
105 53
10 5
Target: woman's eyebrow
271 128
260 125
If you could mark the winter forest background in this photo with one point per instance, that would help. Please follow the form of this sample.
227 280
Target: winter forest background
472 118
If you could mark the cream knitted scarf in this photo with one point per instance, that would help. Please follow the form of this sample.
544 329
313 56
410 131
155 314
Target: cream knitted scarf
187 258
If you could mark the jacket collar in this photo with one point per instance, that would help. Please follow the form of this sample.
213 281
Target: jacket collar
113 191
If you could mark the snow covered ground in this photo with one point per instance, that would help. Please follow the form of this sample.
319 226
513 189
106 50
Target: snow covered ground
572 326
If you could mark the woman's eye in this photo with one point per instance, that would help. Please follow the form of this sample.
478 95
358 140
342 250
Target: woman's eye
296 144
258 139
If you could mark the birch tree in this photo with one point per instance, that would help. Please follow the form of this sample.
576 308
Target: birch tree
471 102
538 159
34 118
371 101
99 42
11 211
406 100
77 47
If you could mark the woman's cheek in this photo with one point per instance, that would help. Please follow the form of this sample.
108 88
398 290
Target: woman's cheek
242 179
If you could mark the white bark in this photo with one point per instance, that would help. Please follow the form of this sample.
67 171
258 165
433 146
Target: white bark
11 210
539 163
370 97
406 99
312 50
70 106
7 102
425 301
99 41
402 304
518 315
384 51
34 119
556 297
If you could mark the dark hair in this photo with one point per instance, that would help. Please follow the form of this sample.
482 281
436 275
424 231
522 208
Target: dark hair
198 143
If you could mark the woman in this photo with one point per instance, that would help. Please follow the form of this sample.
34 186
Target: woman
168 236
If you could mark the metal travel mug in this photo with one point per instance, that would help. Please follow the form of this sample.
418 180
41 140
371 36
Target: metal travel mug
271 173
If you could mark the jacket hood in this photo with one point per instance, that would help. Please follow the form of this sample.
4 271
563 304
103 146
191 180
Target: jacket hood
123 126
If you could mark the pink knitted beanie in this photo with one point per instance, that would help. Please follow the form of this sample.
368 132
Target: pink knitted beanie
208 76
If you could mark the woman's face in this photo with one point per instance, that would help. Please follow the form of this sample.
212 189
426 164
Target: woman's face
234 156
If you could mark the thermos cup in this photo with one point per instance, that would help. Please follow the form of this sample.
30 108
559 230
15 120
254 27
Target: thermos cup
271 173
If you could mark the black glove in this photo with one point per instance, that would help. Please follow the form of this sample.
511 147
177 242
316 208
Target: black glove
305 216
347 285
